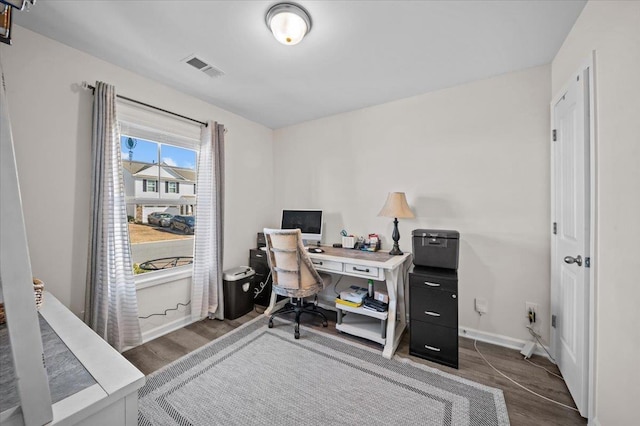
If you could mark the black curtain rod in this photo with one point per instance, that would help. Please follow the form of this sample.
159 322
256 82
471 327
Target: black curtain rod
88 86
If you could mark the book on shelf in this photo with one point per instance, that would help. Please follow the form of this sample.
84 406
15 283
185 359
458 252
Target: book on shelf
354 294
348 303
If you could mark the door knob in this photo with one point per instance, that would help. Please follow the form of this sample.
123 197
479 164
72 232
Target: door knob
570 260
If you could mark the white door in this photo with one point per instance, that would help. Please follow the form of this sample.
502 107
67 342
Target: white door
570 244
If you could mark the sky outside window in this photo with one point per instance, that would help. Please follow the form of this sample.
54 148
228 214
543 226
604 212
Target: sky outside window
147 152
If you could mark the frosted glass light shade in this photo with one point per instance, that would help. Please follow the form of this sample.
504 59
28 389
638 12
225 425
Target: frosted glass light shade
288 22
396 206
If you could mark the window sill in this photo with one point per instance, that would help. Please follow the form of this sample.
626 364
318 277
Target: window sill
152 279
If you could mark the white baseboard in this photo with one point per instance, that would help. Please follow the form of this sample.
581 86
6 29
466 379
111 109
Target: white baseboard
500 340
156 332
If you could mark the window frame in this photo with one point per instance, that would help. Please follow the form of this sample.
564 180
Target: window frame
140 123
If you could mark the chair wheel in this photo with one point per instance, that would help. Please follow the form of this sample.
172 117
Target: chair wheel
296 331
270 323
324 323
296 335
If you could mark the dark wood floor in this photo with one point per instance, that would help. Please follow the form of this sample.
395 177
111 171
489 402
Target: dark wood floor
523 407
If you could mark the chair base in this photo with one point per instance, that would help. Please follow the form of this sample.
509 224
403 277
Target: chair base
299 307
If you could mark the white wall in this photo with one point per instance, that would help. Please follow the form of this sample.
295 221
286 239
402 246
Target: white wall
474 158
612 29
51 121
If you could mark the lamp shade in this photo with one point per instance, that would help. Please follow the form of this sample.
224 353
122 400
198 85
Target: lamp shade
396 206
288 22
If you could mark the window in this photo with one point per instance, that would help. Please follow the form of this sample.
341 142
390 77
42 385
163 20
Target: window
172 187
147 166
149 185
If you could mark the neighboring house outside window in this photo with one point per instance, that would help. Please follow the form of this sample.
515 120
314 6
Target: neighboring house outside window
159 178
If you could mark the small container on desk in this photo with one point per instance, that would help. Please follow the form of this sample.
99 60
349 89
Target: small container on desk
348 242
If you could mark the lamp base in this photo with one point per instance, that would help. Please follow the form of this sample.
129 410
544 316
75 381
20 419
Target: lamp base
395 251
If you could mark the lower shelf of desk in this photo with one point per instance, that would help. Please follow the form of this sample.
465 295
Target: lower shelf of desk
364 326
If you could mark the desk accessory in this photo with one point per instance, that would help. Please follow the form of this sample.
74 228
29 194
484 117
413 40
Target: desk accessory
375 305
395 207
381 295
348 242
354 294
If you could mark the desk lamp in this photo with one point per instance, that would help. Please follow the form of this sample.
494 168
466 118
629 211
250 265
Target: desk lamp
395 207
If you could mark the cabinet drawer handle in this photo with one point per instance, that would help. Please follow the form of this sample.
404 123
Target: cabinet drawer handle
433 314
316 263
258 255
432 348
360 270
432 284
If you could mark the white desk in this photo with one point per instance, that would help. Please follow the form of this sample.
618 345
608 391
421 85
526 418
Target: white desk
378 266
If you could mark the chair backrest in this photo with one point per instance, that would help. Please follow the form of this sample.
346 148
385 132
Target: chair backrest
290 264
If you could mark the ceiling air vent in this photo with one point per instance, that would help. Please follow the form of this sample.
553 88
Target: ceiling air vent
201 65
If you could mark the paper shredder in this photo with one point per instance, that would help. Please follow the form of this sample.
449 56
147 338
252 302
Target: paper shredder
237 288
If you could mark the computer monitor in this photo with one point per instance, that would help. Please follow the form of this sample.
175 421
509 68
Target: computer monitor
307 221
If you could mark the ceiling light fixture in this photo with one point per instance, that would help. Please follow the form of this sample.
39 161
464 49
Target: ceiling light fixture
288 22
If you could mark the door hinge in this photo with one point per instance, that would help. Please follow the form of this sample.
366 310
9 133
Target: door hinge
555 228
587 262
553 321
555 135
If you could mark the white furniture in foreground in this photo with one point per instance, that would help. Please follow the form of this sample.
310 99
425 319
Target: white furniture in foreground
113 400
378 266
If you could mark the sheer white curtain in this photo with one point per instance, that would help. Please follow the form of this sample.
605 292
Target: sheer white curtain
111 305
207 258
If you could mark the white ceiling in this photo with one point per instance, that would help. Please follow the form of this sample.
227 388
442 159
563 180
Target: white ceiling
358 53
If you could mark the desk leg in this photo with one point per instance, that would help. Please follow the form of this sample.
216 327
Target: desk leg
396 322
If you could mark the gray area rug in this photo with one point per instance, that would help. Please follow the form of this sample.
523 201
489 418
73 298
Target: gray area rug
260 376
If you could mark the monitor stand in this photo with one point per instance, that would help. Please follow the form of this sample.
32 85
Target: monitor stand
310 243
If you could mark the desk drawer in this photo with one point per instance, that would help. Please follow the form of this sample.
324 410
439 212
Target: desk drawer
257 254
327 265
364 271
434 306
417 280
434 342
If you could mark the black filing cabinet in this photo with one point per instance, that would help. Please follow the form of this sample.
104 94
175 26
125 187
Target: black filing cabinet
262 286
433 307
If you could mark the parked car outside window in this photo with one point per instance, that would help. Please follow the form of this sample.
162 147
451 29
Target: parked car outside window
186 224
159 218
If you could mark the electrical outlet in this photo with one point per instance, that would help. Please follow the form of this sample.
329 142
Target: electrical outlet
481 305
531 310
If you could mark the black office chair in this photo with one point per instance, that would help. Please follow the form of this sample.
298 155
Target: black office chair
294 275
